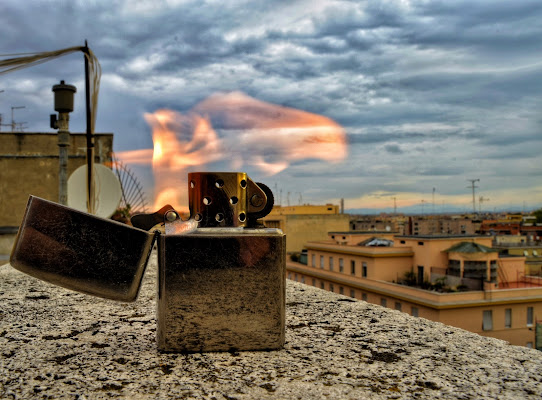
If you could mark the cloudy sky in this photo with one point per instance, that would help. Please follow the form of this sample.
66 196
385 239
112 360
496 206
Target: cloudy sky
429 94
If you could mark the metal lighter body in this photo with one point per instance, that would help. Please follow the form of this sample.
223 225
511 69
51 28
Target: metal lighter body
221 287
220 290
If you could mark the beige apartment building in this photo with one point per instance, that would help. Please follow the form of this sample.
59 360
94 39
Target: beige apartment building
457 280
416 225
304 223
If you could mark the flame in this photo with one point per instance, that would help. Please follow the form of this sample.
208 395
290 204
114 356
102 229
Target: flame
254 133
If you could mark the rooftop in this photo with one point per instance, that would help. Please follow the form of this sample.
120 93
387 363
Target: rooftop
60 344
470 247
439 236
363 233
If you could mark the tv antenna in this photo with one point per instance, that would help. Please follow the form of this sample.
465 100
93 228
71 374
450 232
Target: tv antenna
473 186
480 201
13 123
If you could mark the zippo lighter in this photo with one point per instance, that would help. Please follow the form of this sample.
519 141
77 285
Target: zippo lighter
221 274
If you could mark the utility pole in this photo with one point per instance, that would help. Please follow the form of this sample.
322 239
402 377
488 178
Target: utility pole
434 201
473 186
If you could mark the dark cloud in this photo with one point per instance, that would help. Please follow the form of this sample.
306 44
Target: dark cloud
393 148
435 88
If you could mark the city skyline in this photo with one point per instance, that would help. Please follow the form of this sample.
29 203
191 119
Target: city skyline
429 95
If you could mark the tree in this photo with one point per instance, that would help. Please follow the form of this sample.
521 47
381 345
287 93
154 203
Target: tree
538 215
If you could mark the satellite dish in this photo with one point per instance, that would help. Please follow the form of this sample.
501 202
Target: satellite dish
107 190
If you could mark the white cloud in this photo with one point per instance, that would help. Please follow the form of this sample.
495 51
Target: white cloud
426 91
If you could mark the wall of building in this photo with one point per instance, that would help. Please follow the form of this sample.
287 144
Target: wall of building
29 164
464 310
300 229
381 263
519 333
512 269
305 209
429 251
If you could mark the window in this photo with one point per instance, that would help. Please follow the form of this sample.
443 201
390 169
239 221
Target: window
322 285
331 263
313 282
341 265
529 316
364 296
420 275
313 260
295 277
352 293
341 290
420 243
322 262
352 267
508 318
414 311
402 242
364 269
383 302
487 321
398 306
302 278
530 345
331 288
289 275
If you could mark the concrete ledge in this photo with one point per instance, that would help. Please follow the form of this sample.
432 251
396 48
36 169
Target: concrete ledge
6 244
55 343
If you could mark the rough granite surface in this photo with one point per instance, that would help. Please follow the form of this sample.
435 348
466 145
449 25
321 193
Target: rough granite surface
59 344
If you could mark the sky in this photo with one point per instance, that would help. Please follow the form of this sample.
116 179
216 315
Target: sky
429 94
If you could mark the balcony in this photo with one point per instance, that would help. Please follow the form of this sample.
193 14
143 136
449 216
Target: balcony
60 344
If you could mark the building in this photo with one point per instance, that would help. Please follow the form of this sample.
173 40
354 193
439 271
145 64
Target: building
521 245
416 225
383 222
29 164
305 223
458 280
495 227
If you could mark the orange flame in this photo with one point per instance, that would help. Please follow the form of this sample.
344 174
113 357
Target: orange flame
254 133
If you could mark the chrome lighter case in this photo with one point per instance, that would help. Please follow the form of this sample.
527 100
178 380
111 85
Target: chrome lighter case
221 286
221 290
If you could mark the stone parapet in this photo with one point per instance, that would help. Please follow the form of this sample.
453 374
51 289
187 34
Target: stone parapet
55 343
